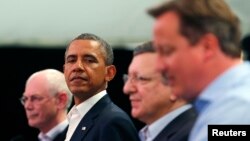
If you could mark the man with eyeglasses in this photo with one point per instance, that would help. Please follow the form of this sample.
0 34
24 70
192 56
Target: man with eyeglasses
46 100
166 116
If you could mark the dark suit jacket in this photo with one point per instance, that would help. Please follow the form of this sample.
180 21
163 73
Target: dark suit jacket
179 128
105 122
60 137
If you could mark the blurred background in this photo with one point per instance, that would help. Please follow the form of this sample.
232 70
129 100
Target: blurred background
34 35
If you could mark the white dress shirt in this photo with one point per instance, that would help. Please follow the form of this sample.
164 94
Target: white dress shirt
51 134
149 132
78 112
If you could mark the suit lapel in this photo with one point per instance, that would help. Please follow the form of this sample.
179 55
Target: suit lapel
87 121
82 129
175 125
61 136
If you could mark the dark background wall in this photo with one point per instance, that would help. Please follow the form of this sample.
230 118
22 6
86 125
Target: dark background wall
246 46
18 62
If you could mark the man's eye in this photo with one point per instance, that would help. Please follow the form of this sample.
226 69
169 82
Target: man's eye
36 98
166 50
90 59
141 78
70 60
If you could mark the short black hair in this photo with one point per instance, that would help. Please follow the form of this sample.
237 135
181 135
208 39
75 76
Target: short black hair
144 47
108 51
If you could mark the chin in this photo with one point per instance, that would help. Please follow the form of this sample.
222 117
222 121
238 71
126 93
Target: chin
78 90
135 114
32 124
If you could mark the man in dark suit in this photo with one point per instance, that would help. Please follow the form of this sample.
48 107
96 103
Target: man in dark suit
166 116
94 117
46 100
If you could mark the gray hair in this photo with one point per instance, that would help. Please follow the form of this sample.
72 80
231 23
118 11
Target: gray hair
55 81
143 48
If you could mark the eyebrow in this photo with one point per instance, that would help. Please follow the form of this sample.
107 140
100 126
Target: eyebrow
89 55
34 94
70 55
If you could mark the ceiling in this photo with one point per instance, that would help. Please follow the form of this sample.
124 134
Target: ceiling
53 22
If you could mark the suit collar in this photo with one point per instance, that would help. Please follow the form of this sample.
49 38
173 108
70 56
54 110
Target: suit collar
87 121
179 122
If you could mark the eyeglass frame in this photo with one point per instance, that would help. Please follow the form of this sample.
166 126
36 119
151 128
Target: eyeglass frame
136 79
35 99
139 79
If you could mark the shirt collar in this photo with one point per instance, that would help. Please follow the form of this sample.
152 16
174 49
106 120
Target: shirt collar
156 127
51 134
217 88
85 106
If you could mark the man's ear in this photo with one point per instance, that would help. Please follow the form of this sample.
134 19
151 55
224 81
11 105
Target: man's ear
110 72
173 97
62 99
211 45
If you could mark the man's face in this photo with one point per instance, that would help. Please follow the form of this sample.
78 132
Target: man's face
84 69
178 60
148 95
40 106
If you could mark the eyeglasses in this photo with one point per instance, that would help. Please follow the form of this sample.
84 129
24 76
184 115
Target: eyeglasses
35 99
136 79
